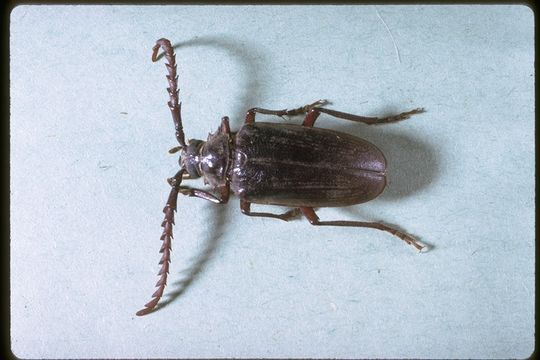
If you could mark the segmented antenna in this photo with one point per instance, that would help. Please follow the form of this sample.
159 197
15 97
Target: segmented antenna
166 237
172 78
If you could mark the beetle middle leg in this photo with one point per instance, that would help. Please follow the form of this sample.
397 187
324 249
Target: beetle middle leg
310 214
245 207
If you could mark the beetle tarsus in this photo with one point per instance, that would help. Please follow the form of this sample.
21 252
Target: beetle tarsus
399 117
405 237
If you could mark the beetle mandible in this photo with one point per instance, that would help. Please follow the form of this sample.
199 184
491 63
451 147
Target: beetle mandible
297 166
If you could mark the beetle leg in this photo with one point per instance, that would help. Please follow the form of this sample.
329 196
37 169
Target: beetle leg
250 116
310 118
309 213
315 112
245 207
223 190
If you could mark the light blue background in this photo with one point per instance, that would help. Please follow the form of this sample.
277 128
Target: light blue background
90 131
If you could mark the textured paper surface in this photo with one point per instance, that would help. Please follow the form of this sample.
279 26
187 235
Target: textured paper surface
90 131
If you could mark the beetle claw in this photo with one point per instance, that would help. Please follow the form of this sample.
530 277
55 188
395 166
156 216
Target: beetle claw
412 241
425 247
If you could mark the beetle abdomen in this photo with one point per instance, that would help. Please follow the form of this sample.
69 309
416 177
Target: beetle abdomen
292 165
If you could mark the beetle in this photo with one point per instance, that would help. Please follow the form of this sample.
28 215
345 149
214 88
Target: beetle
297 166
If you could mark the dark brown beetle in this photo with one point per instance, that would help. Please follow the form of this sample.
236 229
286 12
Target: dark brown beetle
279 164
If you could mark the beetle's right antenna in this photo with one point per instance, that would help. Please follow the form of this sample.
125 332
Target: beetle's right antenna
172 78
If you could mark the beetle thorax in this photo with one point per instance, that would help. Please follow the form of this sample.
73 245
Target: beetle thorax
209 159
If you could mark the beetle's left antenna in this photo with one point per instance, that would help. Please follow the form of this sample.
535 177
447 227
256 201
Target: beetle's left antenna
172 78
166 248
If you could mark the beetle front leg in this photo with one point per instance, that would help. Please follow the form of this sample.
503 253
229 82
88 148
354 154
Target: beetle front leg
245 207
223 190
310 214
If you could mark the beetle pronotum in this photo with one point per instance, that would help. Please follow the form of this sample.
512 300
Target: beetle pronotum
297 166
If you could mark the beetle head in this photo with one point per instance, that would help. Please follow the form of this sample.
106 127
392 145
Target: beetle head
190 158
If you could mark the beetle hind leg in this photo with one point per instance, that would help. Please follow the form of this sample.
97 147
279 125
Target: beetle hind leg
245 207
314 113
314 109
310 214
250 116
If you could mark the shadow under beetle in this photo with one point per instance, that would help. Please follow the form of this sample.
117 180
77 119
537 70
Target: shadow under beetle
279 164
